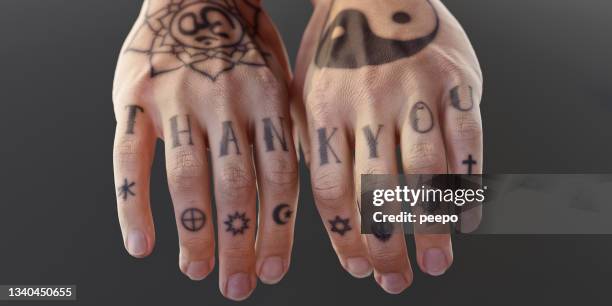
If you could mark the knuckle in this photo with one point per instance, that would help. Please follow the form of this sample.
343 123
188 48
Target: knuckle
280 173
234 177
466 128
186 170
328 187
423 158
132 90
237 252
386 257
127 153
197 245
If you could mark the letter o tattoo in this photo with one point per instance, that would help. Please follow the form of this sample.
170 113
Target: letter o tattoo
421 118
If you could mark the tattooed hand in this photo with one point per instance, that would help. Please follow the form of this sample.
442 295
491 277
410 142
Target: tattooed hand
372 77
209 77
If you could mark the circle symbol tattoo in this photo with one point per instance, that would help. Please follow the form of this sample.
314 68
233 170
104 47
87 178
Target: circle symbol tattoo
282 213
237 223
421 118
193 219
340 226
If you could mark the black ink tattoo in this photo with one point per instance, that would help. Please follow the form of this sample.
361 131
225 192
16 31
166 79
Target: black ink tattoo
372 140
325 147
340 226
456 100
237 223
126 189
133 111
282 213
421 118
470 162
349 41
176 133
382 231
270 131
228 136
210 37
193 219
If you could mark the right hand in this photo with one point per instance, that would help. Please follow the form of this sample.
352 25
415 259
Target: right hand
371 79
208 78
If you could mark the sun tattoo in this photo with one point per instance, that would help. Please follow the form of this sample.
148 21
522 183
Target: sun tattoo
210 37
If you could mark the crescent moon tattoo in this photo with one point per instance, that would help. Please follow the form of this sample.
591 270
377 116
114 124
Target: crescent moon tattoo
282 213
349 42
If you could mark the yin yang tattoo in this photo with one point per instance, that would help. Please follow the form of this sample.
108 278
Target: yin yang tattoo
210 37
349 42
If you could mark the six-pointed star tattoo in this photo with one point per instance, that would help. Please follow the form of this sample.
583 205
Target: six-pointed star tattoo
340 226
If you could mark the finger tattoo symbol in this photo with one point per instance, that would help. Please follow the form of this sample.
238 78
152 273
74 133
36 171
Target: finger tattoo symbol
382 231
126 189
193 219
237 223
282 213
421 118
340 225
470 162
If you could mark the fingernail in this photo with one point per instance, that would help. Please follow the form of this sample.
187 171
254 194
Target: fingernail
198 270
393 283
435 262
137 243
359 267
271 270
238 286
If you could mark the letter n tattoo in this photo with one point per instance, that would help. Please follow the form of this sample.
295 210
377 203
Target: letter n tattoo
133 111
372 140
176 133
325 147
270 131
228 136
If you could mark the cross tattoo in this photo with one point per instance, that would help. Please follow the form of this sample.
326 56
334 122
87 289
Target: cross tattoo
470 162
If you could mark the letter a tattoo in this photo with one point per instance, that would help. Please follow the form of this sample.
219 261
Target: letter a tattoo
133 111
228 136
325 147
270 131
176 140
372 140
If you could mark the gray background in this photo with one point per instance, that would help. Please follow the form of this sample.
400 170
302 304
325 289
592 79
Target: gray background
547 109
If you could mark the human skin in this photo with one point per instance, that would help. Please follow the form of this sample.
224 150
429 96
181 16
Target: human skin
210 79
370 78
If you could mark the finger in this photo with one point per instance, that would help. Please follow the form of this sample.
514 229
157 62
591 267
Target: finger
277 179
332 183
132 158
376 154
187 168
423 152
235 195
463 138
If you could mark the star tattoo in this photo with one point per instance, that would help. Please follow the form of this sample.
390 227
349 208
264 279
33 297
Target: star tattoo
237 223
126 189
340 226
